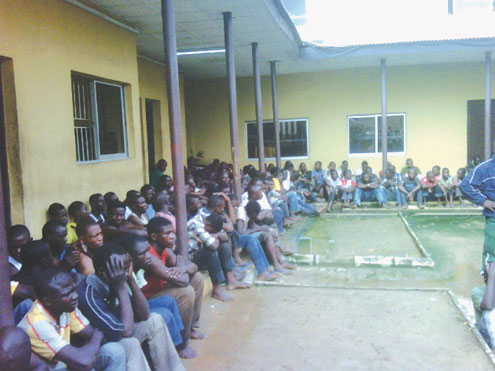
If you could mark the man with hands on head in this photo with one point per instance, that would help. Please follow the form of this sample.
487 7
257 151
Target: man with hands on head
113 302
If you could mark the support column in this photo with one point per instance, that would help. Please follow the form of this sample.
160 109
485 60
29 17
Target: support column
6 316
384 115
173 95
257 99
234 129
273 69
488 105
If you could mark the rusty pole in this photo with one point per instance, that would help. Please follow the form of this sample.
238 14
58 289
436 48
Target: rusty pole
488 105
234 130
276 123
384 115
173 95
257 99
6 315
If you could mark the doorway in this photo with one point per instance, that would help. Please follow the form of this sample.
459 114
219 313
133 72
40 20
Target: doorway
153 132
476 128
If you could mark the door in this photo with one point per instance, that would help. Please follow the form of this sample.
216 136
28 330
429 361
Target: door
476 128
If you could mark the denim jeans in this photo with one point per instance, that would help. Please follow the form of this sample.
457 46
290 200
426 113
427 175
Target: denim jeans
284 208
425 195
292 201
332 195
167 308
279 219
390 194
21 309
347 196
368 195
210 259
111 357
409 187
252 244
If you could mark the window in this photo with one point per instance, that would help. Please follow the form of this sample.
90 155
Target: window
293 139
99 119
365 133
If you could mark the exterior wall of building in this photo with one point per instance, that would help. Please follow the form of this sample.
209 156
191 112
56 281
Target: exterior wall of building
433 97
46 41
152 85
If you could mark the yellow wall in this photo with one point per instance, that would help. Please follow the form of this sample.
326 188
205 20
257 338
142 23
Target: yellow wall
152 85
434 98
46 41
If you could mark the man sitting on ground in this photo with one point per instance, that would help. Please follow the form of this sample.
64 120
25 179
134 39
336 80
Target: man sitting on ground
161 167
164 286
138 207
98 208
113 302
410 188
77 212
148 191
17 236
115 225
410 166
52 320
431 189
55 235
368 190
90 238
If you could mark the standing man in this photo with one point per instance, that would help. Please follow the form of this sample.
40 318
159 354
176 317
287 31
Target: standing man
479 187
159 171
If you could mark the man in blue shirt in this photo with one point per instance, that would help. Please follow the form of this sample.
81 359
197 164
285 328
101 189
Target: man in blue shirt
479 187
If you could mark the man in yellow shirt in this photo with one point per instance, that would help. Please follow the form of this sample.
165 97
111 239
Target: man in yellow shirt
52 320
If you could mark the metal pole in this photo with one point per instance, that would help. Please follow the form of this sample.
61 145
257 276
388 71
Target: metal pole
173 96
488 105
6 315
234 130
384 115
259 116
273 69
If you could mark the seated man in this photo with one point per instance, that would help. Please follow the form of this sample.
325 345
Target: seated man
77 212
90 238
98 208
148 191
15 351
160 204
247 218
368 189
55 235
17 236
331 187
164 294
58 212
409 188
447 183
410 166
138 207
115 225
209 247
161 167
390 187
347 187
456 181
317 181
365 167
54 318
193 204
114 304
110 197
431 189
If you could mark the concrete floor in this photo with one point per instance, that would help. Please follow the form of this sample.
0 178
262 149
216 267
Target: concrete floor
319 320
289 328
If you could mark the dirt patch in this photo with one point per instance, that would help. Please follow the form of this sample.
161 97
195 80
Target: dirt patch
277 328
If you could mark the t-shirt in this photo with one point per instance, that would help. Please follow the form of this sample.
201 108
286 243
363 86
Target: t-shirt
430 185
276 185
47 335
71 233
456 181
332 183
447 182
143 218
155 177
409 184
346 183
155 283
319 175
264 204
406 169
167 216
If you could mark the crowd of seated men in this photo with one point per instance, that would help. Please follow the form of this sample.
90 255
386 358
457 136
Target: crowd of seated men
107 287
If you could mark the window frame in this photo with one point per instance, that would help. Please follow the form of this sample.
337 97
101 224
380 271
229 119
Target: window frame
377 136
305 119
93 81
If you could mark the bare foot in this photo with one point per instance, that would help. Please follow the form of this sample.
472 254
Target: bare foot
286 252
321 209
222 296
197 335
284 271
239 262
238 285
269 276
288 266
239 275
187 353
